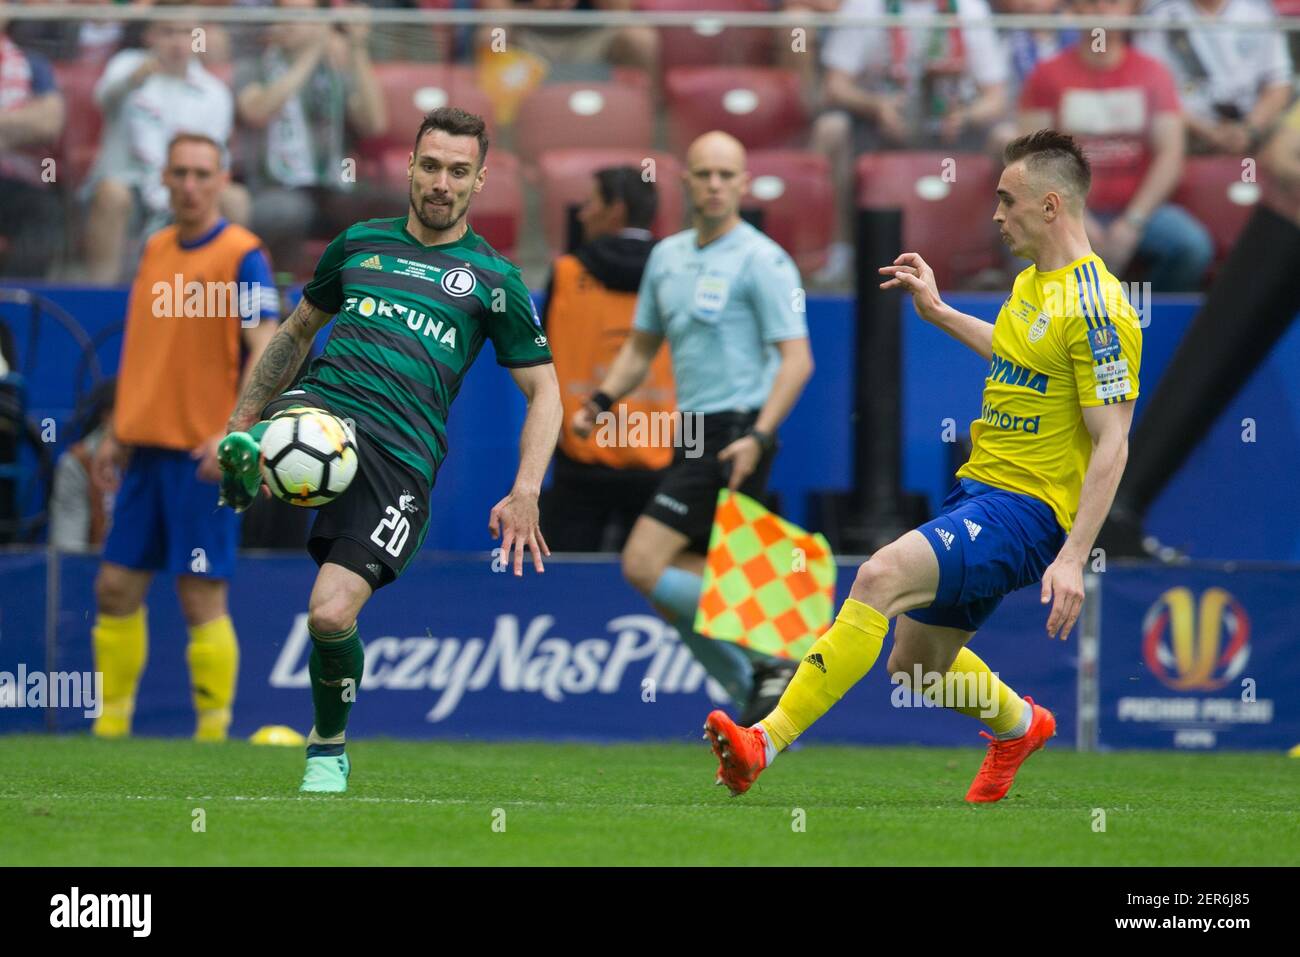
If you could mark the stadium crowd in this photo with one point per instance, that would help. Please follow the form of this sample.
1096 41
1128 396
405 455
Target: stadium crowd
317 119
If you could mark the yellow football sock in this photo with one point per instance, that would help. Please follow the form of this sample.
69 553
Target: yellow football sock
213 654
120 644
991 699
834 664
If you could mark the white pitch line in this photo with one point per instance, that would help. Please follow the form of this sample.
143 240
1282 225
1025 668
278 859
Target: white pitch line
465 802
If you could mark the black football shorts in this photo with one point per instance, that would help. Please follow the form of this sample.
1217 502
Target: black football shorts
688 493
378 524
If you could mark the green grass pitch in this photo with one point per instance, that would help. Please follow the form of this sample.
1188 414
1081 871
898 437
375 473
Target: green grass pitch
72 800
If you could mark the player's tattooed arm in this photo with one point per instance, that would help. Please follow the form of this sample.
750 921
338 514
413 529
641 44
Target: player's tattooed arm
280 360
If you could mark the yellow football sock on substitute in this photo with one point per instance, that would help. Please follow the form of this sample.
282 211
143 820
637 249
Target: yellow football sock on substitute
834 664
120 644
213 654
987 697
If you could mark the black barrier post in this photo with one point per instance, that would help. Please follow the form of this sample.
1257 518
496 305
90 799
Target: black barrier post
875 513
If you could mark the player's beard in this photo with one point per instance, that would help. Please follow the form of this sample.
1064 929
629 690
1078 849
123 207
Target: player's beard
446 218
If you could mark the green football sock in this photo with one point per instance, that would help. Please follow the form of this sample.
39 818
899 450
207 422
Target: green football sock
335 666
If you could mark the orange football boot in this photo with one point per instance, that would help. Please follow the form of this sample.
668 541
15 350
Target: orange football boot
740 752
1004 758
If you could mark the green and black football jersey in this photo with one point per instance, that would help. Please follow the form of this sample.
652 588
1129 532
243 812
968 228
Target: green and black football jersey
410 322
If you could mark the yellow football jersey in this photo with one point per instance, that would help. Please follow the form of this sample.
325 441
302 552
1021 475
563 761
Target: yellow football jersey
1063 341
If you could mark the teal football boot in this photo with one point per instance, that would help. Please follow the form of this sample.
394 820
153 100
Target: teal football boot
327 774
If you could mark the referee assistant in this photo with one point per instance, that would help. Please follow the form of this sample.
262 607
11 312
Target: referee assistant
728 300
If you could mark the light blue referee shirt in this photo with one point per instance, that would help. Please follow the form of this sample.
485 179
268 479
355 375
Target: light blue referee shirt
722 308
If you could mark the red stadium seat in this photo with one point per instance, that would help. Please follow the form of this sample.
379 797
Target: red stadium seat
1213 191
584 116
566 177
630 76
793 189
497 212
705 43
947 203
413 89
83 124
760 106
1287 8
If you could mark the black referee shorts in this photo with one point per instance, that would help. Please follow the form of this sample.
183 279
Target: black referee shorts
687 495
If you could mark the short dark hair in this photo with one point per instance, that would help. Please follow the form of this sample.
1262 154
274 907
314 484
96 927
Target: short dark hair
1056 154
625 184
455 122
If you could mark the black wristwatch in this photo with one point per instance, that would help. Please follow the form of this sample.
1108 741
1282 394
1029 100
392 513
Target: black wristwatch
766 440
600 400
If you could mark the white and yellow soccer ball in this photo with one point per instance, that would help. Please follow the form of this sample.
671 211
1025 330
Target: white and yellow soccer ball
308 456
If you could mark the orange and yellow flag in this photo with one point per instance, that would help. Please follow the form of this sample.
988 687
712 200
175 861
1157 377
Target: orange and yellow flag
768 585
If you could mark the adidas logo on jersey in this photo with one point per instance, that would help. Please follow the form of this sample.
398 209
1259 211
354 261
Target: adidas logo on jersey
945 536
372 263
972 528
816 661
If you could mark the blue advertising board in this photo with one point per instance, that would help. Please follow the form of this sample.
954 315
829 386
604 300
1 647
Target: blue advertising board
1199 657
457 650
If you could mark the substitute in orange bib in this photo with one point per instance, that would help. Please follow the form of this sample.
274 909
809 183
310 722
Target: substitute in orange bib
202 298
601 483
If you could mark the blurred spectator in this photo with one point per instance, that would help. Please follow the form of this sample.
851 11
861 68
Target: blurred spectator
1026 49
1234 85
80 510
147 96
905 87
31 120
1123 106
212 40
306 98
70 39
599 490
803 61
561 46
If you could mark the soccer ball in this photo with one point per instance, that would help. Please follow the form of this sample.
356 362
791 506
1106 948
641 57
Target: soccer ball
308 456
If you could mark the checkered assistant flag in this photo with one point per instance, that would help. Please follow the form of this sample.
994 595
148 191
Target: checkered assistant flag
768 585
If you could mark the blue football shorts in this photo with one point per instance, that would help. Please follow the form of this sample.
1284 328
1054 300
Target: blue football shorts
989 542
165 519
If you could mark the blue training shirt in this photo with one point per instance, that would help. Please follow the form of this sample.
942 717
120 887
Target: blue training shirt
722 308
